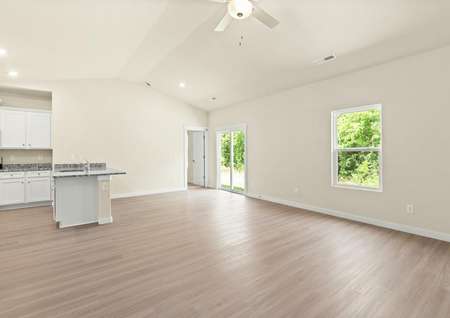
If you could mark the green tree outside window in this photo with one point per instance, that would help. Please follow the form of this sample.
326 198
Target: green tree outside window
360 129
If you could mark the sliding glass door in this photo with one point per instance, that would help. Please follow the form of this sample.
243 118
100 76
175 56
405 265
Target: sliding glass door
231 160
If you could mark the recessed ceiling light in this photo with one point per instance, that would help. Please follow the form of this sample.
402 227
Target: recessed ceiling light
182 84
3 52
13 74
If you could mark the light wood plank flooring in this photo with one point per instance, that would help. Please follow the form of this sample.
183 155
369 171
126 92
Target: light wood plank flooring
206 253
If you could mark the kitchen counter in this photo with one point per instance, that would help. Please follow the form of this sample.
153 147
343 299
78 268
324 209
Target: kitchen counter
82 197
100 172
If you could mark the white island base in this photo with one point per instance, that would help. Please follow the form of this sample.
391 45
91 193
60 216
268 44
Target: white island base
82 200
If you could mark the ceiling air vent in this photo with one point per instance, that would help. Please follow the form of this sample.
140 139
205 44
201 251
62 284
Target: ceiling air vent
326 59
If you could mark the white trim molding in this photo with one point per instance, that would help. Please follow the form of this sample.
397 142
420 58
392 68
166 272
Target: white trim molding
105 220
354 217
145 193
205 131
25 205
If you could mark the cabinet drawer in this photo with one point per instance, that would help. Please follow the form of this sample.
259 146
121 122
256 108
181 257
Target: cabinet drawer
12 175
35 174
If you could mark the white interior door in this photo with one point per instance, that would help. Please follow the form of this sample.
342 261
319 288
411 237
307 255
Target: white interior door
198 158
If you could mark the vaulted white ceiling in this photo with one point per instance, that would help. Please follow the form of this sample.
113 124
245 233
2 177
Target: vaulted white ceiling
167 42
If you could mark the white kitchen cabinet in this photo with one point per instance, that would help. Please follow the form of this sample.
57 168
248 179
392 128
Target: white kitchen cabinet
38 189
12 191
39 133
25 129
13 129
25 187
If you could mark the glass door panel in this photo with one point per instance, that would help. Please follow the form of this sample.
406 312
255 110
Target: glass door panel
225 161
238 173
232 160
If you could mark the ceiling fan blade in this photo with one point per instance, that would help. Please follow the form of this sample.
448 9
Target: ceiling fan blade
224 23
264 17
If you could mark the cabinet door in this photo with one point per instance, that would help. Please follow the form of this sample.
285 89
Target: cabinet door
38 189
13 128
12 191
39 132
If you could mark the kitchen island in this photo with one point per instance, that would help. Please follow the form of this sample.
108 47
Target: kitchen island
82 195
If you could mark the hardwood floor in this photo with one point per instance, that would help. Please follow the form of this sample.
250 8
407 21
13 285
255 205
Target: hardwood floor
205 253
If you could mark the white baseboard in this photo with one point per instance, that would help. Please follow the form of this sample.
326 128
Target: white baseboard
144 193
354 217
65 226
105 220
25 205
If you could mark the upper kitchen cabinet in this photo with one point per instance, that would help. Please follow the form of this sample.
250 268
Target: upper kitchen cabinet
39 132
25 129
13 129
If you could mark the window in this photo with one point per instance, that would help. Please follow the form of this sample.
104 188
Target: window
357 148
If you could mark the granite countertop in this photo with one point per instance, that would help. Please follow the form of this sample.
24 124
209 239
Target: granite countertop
26 167
64 170
98 172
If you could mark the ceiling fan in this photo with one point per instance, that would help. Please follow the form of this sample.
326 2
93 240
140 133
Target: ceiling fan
242 9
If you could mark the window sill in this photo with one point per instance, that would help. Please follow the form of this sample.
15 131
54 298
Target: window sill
355 187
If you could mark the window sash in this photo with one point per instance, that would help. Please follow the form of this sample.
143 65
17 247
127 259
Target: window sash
335 149
359 149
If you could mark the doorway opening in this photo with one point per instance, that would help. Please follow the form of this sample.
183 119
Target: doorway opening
196 157
231 159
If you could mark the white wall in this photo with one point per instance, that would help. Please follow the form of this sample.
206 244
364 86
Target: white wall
289 141
25 98
129 126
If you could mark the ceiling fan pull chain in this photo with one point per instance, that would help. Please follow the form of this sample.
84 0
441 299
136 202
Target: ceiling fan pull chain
241 42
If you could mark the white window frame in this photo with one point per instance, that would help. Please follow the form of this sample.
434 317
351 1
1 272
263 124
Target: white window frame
335 149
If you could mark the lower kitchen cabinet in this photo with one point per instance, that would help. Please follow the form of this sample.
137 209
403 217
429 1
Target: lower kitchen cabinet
12 191
20 188
37 190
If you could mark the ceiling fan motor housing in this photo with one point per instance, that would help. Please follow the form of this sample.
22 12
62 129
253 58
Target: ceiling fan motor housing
240 9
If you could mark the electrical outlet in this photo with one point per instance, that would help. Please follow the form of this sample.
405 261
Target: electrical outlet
410 208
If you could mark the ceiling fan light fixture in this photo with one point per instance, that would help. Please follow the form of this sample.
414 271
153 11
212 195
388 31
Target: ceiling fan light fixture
240 9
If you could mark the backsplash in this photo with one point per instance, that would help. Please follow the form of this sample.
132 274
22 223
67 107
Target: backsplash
26 156
92 166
